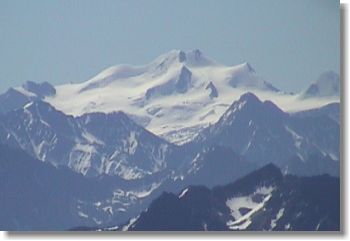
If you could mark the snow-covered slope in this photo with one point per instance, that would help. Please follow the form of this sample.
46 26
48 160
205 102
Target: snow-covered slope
15 98
39 89
263 200
262 132
327 85
92 144
174 96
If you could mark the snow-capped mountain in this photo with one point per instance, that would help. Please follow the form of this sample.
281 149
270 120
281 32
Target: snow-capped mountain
262 133
91 144
327 85
41 90
114 139
15 98
264 200
95 144
174 96
111 143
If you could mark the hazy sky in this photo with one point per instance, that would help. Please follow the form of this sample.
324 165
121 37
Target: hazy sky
289 43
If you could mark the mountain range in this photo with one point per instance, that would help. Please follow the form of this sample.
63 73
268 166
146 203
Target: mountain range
263 133
123 142
264 200
175 95
91 144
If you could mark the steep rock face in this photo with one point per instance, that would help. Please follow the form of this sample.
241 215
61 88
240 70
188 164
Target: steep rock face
263 133
191 58
35 128
213 91
92 144
215 165
180 84
128 148
263 200
41 90
13 99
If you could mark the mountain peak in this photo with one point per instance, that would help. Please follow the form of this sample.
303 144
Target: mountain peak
269 174
182 56
213 91
114 115
249 107
244 76
40 89
192 58
195 54
247 67
328 78
180 84
329 75
249 96
197 58
270 169
248 102
13 99
327 85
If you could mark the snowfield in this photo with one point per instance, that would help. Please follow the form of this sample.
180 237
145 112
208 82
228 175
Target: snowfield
177 94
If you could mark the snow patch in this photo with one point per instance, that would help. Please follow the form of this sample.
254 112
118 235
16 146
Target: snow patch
91 139
25 92
183 193
297 138
287 226
145 192
242 221
132 143
278 216
83 215
130 224
108 209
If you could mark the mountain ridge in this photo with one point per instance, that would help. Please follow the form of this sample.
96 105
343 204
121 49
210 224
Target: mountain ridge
88 143
262 200
261 132
174 96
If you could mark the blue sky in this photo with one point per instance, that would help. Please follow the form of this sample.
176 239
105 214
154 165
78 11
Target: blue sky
288 42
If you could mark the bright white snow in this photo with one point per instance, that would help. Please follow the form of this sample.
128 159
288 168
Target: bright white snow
172 107
131 222
242 221
183 193
278 216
